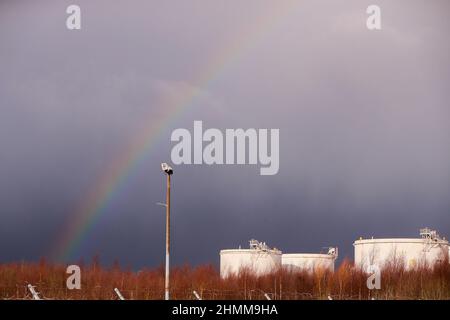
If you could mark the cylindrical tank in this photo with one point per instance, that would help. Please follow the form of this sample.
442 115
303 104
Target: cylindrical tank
407 252
310 262
259 259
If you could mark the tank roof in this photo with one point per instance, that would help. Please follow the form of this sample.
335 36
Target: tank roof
308 255
254 251
398 240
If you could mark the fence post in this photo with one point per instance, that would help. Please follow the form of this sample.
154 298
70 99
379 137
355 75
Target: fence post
34 293
197 296
119 294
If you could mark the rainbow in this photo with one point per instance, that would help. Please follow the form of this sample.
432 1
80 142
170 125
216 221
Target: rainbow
110 182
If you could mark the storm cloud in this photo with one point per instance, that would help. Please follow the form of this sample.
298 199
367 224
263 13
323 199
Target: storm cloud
364 122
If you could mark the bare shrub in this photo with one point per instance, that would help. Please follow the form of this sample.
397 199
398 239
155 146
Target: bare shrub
347 282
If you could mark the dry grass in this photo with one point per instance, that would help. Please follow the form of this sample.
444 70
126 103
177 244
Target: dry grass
346 283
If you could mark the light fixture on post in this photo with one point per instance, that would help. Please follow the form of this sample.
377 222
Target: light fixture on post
168 171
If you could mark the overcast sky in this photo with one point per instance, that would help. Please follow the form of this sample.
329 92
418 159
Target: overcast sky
364 121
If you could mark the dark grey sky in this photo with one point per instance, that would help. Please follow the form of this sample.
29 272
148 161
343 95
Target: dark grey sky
364 121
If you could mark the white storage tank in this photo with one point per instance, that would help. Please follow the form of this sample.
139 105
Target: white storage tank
259 259
310 262
409 252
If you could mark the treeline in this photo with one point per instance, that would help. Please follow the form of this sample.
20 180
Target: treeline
347 282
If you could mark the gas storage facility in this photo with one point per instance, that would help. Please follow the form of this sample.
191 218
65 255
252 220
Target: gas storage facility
424 251
260 259
310 262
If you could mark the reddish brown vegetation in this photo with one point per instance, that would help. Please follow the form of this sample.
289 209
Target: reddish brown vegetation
346 283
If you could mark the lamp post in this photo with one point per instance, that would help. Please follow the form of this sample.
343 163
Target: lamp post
168 171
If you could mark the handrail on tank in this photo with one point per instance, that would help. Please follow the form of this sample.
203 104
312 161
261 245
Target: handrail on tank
427 233
262 246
